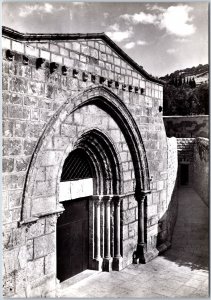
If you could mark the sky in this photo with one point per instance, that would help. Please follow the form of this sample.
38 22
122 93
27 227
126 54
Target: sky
161 37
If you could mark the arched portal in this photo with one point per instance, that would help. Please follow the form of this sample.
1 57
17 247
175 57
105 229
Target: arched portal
90 182
116 159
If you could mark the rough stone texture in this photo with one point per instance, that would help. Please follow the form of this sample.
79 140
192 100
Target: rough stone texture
201 168
187 126
185 148
168 212
31 100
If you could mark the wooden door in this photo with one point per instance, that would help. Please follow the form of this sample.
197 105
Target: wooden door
72 239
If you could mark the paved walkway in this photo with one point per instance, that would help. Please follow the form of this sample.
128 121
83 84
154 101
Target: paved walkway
181 272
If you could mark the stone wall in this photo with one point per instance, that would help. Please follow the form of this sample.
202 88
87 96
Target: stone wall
185 148
38 79
168 217
201 168
187 126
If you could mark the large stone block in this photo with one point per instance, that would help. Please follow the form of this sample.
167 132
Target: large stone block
29 146
47 187
7 165
25 71
15 198
35 269
56 58
50 158
7 217
36 88
22 163
15 112
44 245
12 147
42 287
15 181
30 249
60 142
132 202
29 50
19 128
16 99
22 257
50 224
129 216
9 284
31 101
133 229
44 204
36 229
11 262
54 48
152 210
5 83
16 214
19 85
50 263
20 282
160 185
52 172
19 47
152 230
125 232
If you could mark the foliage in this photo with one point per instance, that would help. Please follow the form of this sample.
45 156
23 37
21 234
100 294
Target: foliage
185 100
181 95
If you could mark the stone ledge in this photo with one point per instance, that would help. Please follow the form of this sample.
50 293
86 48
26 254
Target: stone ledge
36 217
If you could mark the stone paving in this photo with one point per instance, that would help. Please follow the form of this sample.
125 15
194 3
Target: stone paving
181 272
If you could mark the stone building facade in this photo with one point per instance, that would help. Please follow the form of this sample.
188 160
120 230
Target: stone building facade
84 147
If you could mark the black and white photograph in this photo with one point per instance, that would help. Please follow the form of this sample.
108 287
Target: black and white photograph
105 149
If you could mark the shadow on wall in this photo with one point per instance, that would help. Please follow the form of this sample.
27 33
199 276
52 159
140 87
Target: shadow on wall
168 216
166 223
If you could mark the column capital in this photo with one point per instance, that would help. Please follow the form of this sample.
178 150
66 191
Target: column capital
142 195
117 199
107 198
97 198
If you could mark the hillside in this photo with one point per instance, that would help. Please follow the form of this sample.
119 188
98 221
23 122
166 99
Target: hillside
200 74
186 92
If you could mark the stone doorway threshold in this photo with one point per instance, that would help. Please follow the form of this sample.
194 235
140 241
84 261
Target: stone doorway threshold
75 279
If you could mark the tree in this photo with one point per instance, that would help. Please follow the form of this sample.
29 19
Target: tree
180 81
185 100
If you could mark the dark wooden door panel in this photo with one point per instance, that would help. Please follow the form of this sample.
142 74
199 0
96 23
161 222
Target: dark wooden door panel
72 239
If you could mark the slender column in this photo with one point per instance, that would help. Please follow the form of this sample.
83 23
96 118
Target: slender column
107 227
98 258
139 255
117 202
97 205
107 253
117 261
141 220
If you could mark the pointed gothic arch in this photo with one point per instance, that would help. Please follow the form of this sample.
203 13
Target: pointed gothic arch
114 106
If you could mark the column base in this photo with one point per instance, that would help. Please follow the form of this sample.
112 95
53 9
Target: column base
117 263
107 264
142 256
98 264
